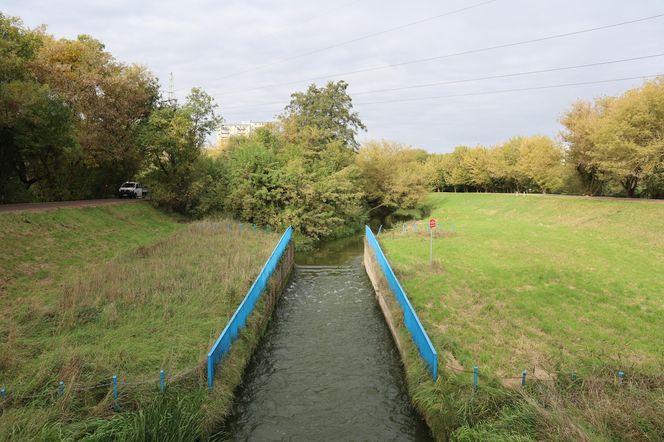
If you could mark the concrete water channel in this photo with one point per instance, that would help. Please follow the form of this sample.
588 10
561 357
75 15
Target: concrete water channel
327 367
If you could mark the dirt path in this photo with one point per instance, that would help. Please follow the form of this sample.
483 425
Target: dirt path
42 207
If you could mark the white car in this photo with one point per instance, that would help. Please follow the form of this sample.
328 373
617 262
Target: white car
132 189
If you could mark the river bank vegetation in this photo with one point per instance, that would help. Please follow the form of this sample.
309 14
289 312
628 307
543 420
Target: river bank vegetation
152 294
566 288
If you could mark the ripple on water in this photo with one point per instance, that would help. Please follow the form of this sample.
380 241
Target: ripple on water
327 368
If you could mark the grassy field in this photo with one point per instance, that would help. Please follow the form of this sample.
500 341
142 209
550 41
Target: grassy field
126 290
569 289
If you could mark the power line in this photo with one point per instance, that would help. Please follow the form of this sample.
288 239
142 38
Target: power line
491 77
502 91
354 40
515 74
455 54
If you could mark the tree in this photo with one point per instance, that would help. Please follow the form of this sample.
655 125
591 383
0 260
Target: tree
111 102
326 110
580 123
629 136
174 136
36 130
540 164
392 174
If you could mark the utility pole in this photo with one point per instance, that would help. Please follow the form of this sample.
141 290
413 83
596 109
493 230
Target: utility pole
171 90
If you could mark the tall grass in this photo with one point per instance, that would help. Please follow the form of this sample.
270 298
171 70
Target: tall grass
157 306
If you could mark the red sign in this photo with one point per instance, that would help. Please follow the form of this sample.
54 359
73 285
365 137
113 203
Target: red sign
432 223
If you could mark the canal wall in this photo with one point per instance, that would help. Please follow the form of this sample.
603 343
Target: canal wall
416 371
230 369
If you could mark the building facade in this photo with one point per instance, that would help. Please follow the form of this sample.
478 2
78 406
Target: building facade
229 130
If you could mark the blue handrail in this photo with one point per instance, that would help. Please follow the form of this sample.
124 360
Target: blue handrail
239 318
410 319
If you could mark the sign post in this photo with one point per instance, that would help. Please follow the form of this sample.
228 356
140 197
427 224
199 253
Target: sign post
432 225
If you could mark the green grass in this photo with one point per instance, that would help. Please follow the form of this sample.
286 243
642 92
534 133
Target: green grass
554 286
126 290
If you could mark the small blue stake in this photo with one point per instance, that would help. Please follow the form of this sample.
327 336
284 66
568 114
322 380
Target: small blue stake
115 388
403 228
621 376
162 381
3 393
475 376
523 377
253 226
240 227
414 227
61 388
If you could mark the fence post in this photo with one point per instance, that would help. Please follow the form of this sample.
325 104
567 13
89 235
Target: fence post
162 381
475 376
115 388
523 377
61 388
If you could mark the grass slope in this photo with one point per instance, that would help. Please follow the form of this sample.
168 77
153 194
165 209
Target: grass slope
554 286
126 290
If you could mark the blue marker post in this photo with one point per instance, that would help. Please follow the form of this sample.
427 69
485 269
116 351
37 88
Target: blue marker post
253 226
475 376
415 227
240 227
621 376
162 381
403 228
3 393
61 388
523 377
115 388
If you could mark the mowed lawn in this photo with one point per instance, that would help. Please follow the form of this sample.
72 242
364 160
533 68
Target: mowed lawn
539 283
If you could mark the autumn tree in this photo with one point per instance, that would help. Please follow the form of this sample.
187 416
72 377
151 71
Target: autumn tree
110 101
629 136
36 127
392 176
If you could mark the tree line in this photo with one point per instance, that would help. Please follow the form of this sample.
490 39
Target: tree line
75 123
612 146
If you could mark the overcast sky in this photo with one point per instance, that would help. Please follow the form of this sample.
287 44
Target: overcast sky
249 55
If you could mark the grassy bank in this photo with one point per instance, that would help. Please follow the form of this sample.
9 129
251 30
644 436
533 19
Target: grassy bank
569 289
126 290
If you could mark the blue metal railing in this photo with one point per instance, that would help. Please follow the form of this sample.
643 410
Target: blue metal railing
410 319
239 318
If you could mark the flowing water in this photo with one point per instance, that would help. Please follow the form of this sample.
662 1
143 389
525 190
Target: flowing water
327 368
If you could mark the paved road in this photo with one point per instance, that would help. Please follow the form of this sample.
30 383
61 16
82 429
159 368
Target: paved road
42 207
